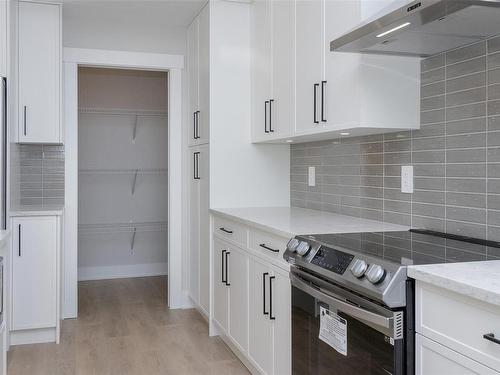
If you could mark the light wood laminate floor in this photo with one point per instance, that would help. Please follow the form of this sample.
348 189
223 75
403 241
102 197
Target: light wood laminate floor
124 328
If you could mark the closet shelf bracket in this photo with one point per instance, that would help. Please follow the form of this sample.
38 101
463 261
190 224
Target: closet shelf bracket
134 181
134 133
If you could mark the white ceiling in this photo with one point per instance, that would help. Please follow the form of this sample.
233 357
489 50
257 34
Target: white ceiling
155 13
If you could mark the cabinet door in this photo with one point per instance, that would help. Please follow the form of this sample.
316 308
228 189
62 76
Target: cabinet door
219 282
433 358
3 38
238 297
282 117
194 226
34 272
260 327
341 99
39 73
192 69
203 127
204 225
282 323
309 64
261 68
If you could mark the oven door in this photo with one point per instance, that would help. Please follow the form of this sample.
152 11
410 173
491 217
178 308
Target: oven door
372 347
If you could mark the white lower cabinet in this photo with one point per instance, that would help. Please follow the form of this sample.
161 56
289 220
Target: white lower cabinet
437 359
456 346
251 299
35 279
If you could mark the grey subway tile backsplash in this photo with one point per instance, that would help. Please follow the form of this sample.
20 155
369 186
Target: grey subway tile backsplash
38 179
455 154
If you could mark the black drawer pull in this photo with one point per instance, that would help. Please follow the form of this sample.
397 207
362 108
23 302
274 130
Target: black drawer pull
263 245
227 266
264 293
226 230
222 268
491 337
271 316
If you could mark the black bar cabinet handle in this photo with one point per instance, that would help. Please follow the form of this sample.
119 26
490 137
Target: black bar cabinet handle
222 268
24 120
227 266
491 337
19 244
194 125
323 117
271 101
196 162
265 116
264 293
263 245
197 124
316 85
226 230
271 316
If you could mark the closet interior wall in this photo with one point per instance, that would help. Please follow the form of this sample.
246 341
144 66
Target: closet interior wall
123 180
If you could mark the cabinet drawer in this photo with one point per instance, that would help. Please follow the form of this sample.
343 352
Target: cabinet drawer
230 230
459 323
267 243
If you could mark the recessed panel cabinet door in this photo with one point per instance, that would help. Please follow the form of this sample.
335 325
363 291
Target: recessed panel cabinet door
282 119
34 262
39 73
194 225
238 297
192 68
204 225
203 75
261 68
219 282
281 306
309 64
260 326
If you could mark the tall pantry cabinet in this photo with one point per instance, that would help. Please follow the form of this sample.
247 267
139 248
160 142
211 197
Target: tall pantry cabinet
198 137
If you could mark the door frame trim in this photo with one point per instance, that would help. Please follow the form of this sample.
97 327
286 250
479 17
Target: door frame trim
177 200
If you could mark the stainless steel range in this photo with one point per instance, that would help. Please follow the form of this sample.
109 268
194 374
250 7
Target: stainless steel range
352 303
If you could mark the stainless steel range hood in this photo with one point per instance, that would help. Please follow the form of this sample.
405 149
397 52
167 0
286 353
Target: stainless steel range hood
424 28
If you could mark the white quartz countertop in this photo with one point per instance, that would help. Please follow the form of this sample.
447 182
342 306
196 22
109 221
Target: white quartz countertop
479 280
37 211
292 221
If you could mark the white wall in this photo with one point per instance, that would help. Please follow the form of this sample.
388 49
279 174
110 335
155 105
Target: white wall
241 173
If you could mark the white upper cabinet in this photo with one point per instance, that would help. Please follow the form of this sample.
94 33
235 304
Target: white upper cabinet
3 38
335 94
39 73
198 77
273 72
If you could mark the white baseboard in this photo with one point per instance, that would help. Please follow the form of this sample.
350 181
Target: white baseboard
123 271
33 336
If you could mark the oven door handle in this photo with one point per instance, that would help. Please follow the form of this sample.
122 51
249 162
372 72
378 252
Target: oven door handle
385 323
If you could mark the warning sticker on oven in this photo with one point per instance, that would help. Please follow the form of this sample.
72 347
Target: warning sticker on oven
333 330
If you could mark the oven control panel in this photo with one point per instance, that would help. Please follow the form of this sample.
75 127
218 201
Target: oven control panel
332 259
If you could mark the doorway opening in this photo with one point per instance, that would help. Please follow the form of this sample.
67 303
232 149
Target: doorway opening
122 182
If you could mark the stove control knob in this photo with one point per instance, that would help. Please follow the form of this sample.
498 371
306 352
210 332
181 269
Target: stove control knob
292 245
302 248
359 268
375 274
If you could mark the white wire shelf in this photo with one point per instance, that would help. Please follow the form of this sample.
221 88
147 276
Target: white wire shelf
132 227
139 171
121 112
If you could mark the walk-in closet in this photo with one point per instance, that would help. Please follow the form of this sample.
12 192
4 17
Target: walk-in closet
122 174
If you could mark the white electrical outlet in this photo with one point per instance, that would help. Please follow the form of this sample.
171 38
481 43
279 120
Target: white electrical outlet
312 176
407 179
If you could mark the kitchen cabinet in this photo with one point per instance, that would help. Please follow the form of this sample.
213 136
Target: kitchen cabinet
436 359
3 38
198 62
459 345
251 294
39 73
334 94
35 279
273 69
199 227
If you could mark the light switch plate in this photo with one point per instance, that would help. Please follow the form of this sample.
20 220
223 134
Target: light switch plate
312 176
407 179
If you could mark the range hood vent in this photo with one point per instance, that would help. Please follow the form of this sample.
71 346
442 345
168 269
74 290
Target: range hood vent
424 28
